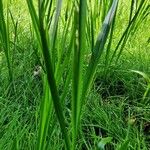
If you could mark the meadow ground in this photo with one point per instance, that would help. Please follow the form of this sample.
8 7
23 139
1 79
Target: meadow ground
116 108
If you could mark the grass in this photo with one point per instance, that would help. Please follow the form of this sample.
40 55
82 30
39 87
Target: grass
91 88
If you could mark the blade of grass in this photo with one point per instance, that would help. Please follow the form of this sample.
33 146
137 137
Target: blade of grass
107 57
64 49
54 31
80 22
35 21
147 79
98 50
4 35
45 113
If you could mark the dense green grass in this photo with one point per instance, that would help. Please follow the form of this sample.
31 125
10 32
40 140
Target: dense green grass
92 89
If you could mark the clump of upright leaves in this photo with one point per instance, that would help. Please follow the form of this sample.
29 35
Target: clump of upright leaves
80 86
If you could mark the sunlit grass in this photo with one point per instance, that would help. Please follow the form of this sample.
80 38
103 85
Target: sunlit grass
85 96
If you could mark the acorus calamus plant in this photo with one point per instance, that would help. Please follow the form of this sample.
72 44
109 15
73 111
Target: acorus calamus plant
46 33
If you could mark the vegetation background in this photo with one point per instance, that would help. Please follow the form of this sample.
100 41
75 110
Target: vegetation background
75 74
